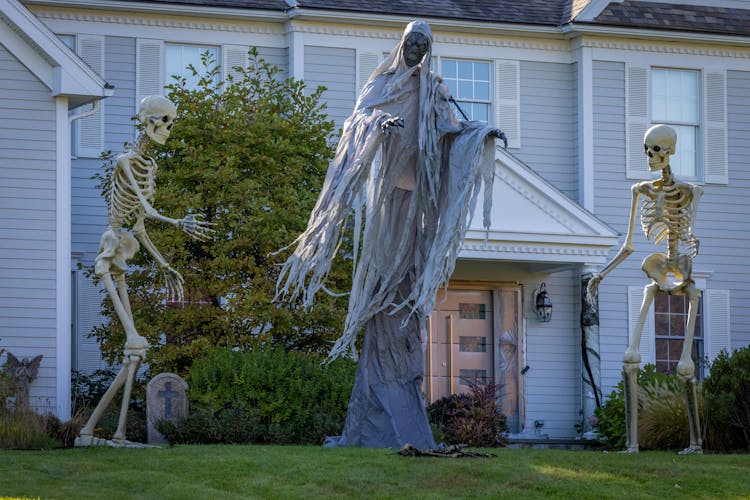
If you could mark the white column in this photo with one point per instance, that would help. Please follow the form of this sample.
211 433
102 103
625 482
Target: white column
63 256
591 361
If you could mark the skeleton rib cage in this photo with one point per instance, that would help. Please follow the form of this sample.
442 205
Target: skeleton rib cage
666 214
122 199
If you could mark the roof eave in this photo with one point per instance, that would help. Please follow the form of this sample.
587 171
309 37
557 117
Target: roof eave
576 29
173 9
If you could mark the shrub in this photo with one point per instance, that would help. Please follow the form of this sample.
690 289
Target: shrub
24 429
611 414
662 420
473 419
727 394
264 397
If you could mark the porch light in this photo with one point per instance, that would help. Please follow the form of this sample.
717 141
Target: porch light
543 304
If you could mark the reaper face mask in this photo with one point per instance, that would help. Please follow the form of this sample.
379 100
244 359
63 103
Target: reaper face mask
415 47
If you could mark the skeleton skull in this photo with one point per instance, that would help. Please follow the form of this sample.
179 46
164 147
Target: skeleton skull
659 144
157 114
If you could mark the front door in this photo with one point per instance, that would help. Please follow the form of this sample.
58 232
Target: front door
474 336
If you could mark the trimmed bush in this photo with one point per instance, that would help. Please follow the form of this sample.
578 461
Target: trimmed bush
473 419
264 397
727 394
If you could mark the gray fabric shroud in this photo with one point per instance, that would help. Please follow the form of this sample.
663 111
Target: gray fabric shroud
411 192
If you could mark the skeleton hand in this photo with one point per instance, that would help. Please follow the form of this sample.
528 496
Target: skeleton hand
174 284
387 124
499 134
195 227
693 246
592 290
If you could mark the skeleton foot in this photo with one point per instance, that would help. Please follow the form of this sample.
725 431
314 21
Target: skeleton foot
691 450
85 440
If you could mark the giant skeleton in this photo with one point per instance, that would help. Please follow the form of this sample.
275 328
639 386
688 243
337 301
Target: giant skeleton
130 195
667 213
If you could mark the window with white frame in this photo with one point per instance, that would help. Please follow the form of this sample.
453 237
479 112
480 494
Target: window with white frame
177 58
675 101
469 83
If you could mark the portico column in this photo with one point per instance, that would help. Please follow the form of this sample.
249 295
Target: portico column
591 362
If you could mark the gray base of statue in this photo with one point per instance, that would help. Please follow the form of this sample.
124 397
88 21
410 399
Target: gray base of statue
386 409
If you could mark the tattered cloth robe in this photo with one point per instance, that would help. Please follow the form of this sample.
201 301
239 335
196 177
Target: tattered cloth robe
416 203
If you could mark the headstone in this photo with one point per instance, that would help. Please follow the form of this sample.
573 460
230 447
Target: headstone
166 399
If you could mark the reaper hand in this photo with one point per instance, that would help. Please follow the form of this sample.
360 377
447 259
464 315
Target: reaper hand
499 134
387 124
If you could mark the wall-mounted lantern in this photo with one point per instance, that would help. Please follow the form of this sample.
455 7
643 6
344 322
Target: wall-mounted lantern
543 304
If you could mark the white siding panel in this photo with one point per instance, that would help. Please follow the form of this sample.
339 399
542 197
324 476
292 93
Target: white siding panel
553 382
333 68
27 217
549 123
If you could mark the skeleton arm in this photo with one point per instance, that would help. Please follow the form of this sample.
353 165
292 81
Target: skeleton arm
174 279
592 290
191 225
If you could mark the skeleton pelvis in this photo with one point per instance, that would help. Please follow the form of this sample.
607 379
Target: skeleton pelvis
669 274
115 250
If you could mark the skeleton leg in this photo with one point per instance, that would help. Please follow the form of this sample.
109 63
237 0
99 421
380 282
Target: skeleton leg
122 307
86 436
686 372
630 364
132 362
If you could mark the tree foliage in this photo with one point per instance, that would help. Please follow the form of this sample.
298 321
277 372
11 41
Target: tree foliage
250 154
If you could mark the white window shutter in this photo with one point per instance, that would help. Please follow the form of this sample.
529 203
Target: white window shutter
637 121
149 69
717 169
367 62
508 100
233 56
635 299
717 322
88 307
91 128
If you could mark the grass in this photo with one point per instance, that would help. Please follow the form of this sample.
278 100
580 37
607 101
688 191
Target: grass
227 472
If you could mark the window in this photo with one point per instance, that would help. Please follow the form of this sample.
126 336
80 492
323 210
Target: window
178 57
675 101
670 318
69 40
469 83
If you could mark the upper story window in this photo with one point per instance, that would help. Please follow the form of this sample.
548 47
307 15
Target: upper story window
675 101
469 83
177 58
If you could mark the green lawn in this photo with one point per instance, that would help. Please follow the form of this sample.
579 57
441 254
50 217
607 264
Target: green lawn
209 472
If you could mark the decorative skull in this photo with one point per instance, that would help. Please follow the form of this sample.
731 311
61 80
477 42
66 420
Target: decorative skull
157 114
659 144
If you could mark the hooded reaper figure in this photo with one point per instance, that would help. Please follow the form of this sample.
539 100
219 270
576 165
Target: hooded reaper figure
410 173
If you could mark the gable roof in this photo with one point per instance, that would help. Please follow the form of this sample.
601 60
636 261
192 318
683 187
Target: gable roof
544 12
51 61
676 17
533 221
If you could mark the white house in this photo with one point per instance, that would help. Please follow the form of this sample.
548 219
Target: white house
574 84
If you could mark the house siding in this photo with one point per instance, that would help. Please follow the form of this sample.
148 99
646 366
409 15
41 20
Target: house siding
553 387
612 202
89 212
333 68
724 210
549 123
28 314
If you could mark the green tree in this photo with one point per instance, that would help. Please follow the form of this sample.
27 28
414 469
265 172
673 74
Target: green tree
250 154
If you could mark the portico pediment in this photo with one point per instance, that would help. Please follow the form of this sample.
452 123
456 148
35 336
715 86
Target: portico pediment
532 221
